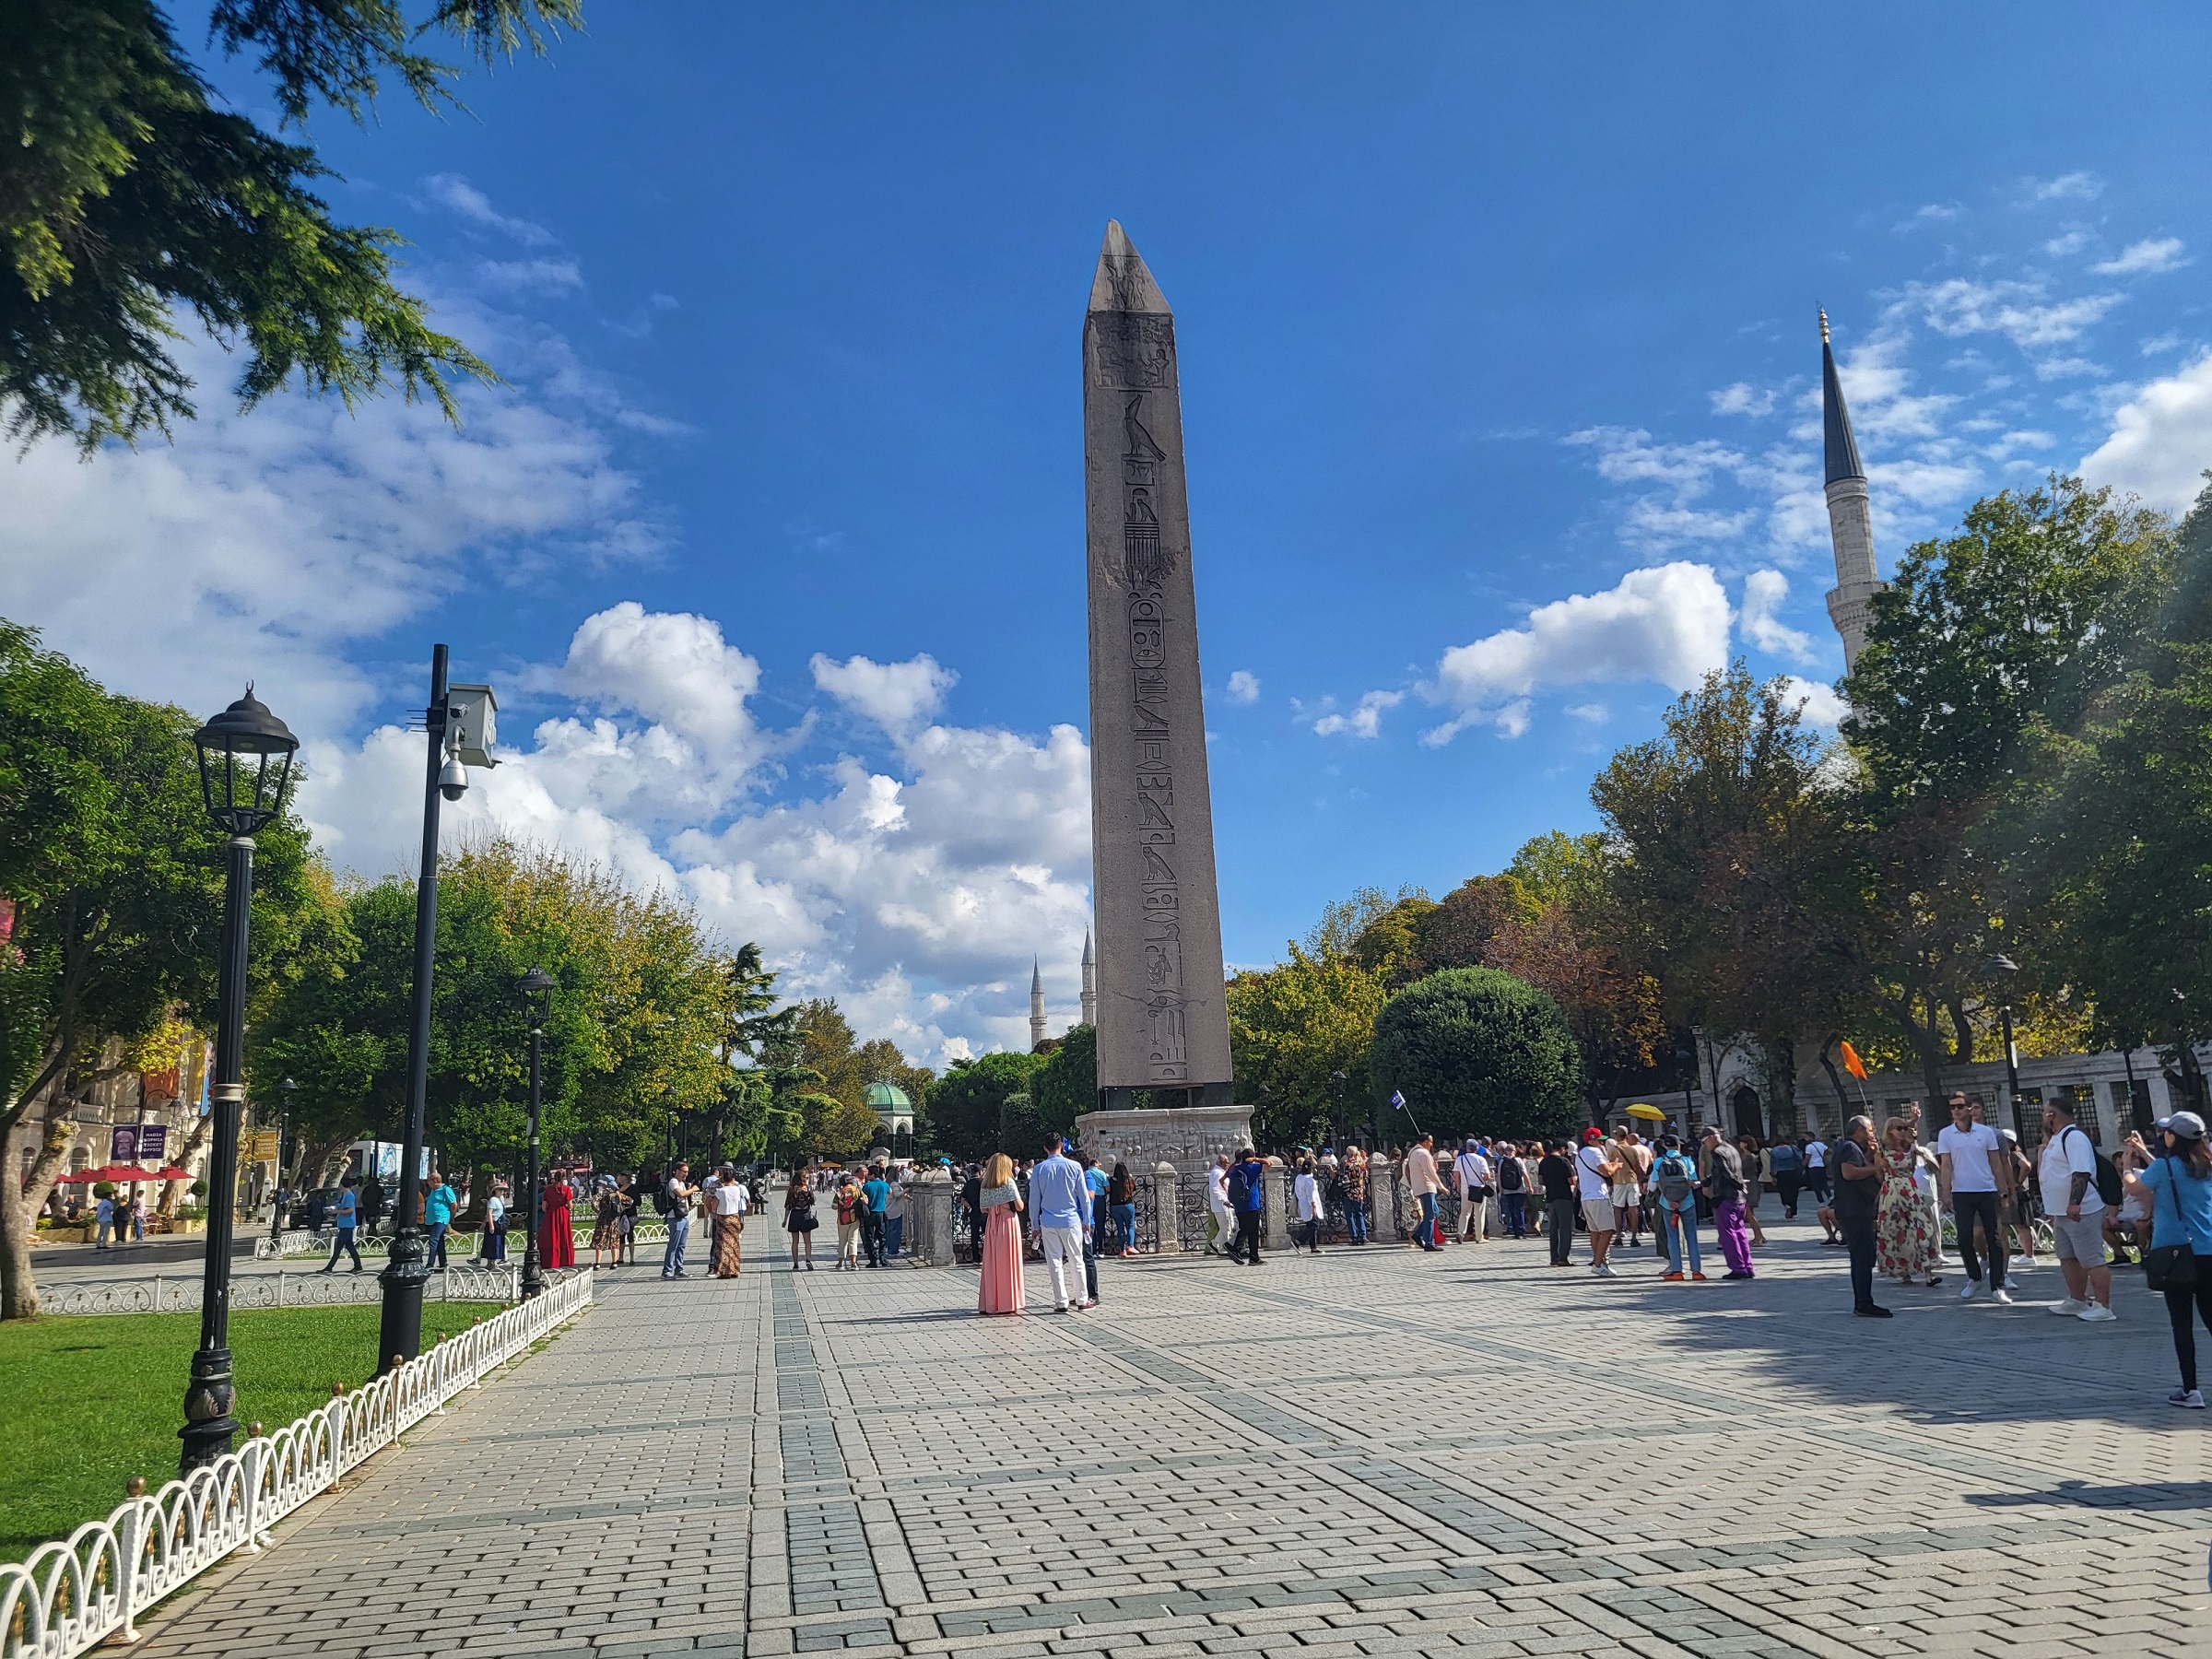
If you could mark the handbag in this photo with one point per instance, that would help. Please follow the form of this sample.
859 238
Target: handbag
2171 1267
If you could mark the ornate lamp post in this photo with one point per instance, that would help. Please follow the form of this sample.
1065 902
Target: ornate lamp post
457 719
536 990
2004 968
245 761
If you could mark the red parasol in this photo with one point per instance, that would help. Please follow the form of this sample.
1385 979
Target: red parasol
120 1172
171 1172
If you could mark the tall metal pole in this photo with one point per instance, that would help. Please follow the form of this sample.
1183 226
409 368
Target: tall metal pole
533 1281
406 1275
210 1394
2012 1075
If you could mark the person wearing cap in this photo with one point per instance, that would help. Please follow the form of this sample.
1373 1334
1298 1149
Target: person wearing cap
1422 1182
2177 1188
1974 1175
2075 1211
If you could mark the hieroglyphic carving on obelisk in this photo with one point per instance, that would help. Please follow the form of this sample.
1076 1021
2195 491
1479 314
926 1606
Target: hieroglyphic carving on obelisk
1162 1021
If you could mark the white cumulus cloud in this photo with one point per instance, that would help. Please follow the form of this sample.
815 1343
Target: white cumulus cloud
1819 704
1765 593
1665 623
1364 721
899 697
2144 258
2161 440
1743 398
2067 187
1243 687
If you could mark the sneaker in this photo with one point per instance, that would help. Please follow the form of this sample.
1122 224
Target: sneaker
2095 1314
2003 1295
2075 1309
1966 1292
1874 1314
1673 1278
1605 1270
1063 1308
2190 1399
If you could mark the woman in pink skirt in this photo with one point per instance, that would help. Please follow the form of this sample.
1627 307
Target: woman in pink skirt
1001 1201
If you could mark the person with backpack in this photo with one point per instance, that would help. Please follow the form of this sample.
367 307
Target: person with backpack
1788 1165
1247 1189
1673 1193
675 1197
1512 1189
2075 1179
2178 1189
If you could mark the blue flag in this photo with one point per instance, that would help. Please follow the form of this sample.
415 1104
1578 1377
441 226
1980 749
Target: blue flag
1397 1100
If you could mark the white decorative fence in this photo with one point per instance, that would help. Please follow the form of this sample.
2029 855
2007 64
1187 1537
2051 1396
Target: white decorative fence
69 1597
302 1241
162 1293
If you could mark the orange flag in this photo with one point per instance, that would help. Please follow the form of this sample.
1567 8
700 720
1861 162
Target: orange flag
1852 1062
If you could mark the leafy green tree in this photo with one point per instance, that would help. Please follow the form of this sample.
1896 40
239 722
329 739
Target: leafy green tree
126 196
1984 657
1298 1036
1066 1085
967 1099
1478 1051
114 879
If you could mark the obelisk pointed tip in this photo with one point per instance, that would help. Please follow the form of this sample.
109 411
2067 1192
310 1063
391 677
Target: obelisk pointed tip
1122 283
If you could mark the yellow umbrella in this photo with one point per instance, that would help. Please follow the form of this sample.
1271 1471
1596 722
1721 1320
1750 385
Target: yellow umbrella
1641 1110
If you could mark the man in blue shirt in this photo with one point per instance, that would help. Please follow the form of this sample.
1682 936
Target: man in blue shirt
1060 1211
875 1194
437 1214
1247 1196
347 1212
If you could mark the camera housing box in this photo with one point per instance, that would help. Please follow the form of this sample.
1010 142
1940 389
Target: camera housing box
472 718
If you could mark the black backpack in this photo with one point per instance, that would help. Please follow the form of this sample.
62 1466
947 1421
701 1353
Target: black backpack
2106 1180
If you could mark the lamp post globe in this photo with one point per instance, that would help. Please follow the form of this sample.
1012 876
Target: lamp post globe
536 989
245 757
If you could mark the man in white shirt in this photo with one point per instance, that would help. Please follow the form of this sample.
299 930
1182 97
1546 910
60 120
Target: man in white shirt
1594 1169
1816 1166
1471 1170
1972 1178
2075 1210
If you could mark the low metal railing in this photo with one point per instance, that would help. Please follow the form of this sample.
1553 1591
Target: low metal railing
68 1596
162 1294
317 1242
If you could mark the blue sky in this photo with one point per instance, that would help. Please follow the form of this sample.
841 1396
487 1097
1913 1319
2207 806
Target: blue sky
1497 343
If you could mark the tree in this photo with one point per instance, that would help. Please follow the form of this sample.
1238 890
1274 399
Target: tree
114 877
969 1098
1984 657
127 196
1477 1052
1298 1036
1066 1085
831 1047
1732 872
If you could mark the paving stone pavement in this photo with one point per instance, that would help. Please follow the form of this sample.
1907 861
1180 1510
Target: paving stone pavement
1370 1452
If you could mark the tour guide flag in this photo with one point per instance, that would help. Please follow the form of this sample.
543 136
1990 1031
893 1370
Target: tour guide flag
1397 1100
1852 1062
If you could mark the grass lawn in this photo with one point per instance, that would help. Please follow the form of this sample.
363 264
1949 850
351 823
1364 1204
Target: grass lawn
88 1402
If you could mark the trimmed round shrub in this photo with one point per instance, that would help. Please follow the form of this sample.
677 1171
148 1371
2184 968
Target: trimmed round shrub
1477 1052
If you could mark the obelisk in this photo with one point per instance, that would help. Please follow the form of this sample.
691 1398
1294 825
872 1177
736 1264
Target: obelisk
1162 1020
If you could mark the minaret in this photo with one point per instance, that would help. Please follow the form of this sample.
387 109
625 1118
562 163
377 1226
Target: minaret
1090 983
1036 1003
1850 524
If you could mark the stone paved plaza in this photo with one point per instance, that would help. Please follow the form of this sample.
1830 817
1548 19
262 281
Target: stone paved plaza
1373 1452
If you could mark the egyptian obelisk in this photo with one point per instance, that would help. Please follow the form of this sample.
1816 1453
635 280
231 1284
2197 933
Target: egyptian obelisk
1162 1021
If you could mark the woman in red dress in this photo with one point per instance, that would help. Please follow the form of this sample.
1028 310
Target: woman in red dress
555 1236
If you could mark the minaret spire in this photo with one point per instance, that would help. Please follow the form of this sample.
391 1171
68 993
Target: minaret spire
1036 1003
1850 516
1090 983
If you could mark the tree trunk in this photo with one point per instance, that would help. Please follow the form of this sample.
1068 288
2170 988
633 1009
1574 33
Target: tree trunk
174 1190
19 1203
477 1216
1962 1028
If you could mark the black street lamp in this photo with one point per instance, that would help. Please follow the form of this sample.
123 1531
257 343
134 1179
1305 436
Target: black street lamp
407 1273
2004 968
285 1091
245 761
537 990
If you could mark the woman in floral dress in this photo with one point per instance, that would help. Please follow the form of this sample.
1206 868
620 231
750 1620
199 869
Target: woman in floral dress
1907 1242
